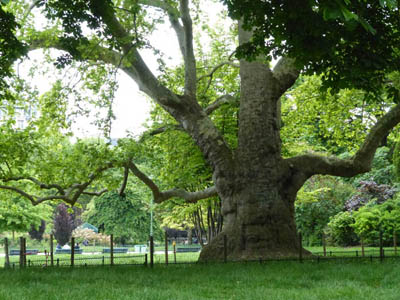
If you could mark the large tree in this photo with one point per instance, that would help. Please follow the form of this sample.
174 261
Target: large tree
256 184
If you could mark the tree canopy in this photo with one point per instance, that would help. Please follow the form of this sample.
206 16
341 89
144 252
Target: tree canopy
232 108
336 38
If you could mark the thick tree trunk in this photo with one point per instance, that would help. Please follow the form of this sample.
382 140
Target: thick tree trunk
261 227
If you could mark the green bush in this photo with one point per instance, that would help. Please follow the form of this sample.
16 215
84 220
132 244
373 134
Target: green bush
371 219
341 231
321 198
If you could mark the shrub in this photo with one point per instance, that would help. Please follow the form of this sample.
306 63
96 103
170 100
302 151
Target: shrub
341 231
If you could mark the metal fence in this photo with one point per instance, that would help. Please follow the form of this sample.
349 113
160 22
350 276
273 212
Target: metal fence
167 253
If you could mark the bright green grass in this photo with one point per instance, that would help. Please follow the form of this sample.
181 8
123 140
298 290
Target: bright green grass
273 280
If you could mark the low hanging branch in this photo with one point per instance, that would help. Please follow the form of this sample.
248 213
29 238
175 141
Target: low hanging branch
159 196
37 182
69 195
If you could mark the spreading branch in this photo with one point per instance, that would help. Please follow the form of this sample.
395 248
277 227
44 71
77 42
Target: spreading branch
311 164
69 195
35 200
159 196
42 185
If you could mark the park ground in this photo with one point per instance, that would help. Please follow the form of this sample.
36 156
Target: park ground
339 279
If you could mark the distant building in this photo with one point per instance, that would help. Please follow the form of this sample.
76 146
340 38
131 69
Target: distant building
22 116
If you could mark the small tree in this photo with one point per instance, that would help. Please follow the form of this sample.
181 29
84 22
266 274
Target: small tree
63 224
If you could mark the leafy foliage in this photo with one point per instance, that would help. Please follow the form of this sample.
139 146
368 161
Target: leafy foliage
383 168
17 214
341 230
371 219
10 47
123 216
313 120
337 38
321 198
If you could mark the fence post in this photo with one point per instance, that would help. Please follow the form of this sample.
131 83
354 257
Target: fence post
151 251
7 261
300 247
362 247
395 242
72 251
21 252
225 248
166 248
381 245
102 260
112 249
58 262
174 244
145 259
51 251
324 243
24 252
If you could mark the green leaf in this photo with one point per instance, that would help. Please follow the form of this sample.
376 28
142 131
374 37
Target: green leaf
367 26
332 13
348 15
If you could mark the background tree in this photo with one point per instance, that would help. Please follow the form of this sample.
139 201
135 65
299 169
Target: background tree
124 216
16 213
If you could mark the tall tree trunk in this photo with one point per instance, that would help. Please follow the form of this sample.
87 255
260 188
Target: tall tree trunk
259 212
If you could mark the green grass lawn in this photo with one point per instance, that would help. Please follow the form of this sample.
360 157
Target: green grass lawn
273 280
